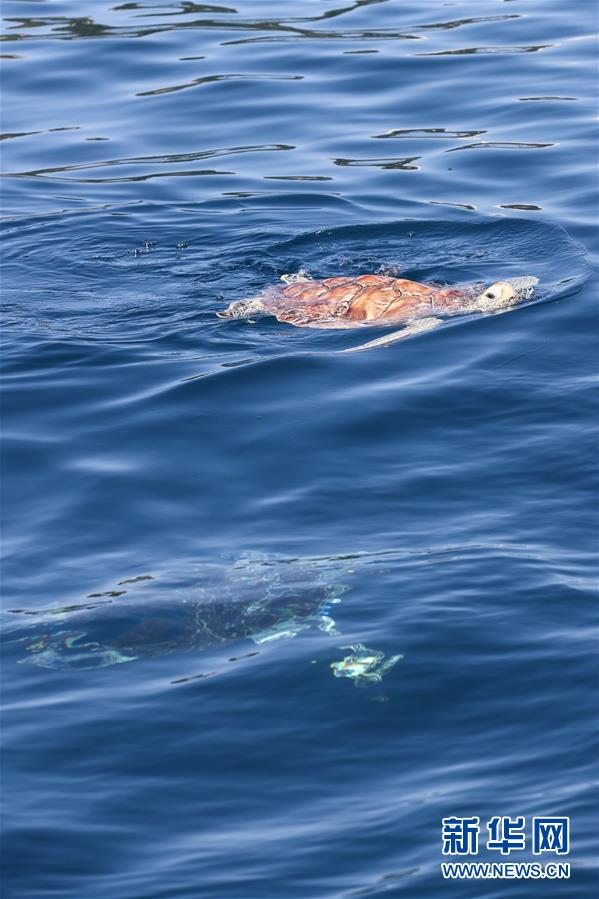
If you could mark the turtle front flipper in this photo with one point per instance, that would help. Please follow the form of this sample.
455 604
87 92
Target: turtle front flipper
413 327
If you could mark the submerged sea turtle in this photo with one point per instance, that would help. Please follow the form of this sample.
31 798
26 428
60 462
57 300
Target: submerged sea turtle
256 598
347 302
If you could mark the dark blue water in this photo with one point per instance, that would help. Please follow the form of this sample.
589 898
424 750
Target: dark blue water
435 499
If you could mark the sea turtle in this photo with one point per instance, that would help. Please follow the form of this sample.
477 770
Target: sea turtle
350 301
263 599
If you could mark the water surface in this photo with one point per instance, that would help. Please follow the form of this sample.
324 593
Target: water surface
161 160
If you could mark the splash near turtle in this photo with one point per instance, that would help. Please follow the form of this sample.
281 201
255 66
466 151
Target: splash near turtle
258 598
364 666
348 302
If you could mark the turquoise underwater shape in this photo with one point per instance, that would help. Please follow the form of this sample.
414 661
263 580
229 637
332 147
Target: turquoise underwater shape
256 599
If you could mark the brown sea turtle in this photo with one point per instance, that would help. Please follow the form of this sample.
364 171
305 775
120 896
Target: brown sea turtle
350 301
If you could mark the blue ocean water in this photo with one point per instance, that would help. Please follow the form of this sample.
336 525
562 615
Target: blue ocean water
230 505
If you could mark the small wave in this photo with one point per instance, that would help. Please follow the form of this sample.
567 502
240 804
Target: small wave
214 79
472 51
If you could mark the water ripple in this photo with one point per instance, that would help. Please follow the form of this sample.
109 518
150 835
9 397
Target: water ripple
472 51
435 133
212 79
459 23
404 163
501 145
170 158
449 477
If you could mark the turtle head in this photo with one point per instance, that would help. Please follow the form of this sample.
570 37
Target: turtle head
497 296
241 308
504 294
